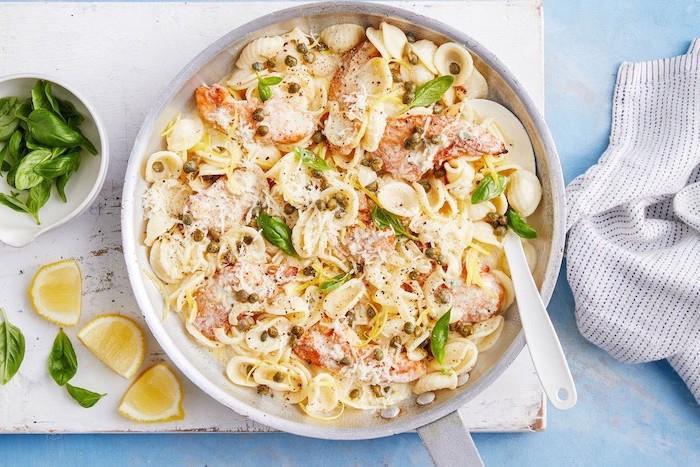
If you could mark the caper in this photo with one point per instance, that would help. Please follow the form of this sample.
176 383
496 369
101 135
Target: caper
395 342
324 183
378 354
263 389
396 76
439 172
376 390
492 218
297 330
293 88
302 48
409 86
339 213
426 185
408 97
213 247
331 204
320 204
252 298
273 332
289 209
197 235
290 61
413 58
374 186
309 271
214 234
438 108
345 361
341 199
442 260
269 64
455 68
354 394
257 66
500 230
317 137
241 296
376 164
316 173
262 130
408 327
443 296
370 312
258 115
431 252
187 219
464 330
292 340
158 166
413 275
309 57
263 336
245 323
415 137
410 37
189 167
366 162
386 389
351 317
503 220
247 239
278 377
321 46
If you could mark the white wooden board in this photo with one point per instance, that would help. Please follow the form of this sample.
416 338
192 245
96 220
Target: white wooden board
120 56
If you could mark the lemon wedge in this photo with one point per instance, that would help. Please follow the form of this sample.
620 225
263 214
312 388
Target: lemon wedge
156 396
55 292
117 341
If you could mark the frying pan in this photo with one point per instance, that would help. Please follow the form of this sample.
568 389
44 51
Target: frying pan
438 423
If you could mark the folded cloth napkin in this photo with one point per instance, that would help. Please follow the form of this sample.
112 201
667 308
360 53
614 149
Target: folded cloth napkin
633 254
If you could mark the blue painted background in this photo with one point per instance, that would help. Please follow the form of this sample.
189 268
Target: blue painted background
640 415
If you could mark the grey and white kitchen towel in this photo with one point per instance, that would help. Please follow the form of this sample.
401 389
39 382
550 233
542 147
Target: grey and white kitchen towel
633 254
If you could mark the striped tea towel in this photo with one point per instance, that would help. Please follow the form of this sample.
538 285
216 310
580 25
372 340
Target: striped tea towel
633 258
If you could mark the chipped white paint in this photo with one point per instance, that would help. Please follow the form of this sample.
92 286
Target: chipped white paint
121 56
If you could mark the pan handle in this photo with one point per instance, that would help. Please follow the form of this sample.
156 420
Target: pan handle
450 443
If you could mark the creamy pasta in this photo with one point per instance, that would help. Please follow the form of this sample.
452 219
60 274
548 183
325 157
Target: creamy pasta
332 216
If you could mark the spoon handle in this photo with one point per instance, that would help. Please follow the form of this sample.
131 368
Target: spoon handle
545 349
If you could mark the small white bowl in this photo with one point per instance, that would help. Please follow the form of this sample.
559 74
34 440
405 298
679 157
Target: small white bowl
18 229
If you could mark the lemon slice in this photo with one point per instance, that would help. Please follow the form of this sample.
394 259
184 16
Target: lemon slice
116 340
156 396
55 292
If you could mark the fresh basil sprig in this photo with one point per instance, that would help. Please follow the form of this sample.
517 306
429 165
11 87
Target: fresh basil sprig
311 160
38 196
11 348
431 92
335 282
277 232
519 225
264 84
385 219
84 397
8 119
25 177
14 203
63 364
489 188
438 337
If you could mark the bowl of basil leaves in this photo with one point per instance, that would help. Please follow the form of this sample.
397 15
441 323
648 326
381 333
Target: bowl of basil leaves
53 156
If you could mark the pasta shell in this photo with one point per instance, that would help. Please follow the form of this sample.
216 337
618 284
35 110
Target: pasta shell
242 78
460 176
237 370
184 134
375 36
375 77
258 50
352 203
483 232
376 124
265 374
165 261
435 381
449 53
524 192
256 343
341 300
501 204
342 37
530 254
162 165
394 39
476 86
425 51
399 198
507 285
420 74
365 175
479 211
486 333
460 356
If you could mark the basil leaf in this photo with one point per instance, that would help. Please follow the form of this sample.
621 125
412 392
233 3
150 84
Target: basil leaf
38 196
70 114
63 364
14 148
7 110
277 232
384 219
11 348
489 188
311 160
25 177
13 203
271 80
39 100
48 128
52 101
62 180
264 91
519 225
56 167
23 110
438 338
431 92
84 397
335 282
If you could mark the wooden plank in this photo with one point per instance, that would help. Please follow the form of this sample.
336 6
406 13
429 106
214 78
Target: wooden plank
121 56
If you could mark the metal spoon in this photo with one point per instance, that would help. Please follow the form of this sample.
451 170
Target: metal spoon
545 349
